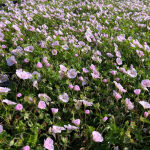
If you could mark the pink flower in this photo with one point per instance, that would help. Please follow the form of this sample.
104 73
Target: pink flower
92 67
26 60
54 52
129 104
76 55
145 83
64 97
23 74
110 55
146 114
72 73
70 127
71 86
119 61
29 49
87 112
119 86
113 72
19 107
1 128
76 122
63 68
137 91
45 60
139 53
41 105
105 80
26 147
145 105
19 95
76 88
48 144
85 70
105 118
97 137
39 65
4 90
57 129
8 102
47 65
116 95
54 110
132 72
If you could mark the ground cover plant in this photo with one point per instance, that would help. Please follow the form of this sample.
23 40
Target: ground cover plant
74 74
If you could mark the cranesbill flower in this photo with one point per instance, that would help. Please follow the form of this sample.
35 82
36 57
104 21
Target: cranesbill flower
54 110
132 72
4 90
29 49
19 107
64 97
97 137
145 83
72 73
137 91
39 65
54 52
116 95
8 102
146 114
11 61
49 144
76 88
119 61
1 128
119 86
145 105
23 74
57 129
41 105
44 96
26 147
129 104
70 127
76 122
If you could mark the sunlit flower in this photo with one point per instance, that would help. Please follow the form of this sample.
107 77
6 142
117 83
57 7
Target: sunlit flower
23 74
41 105
64 97
97 137
49 144
72 73
145 105
129 104
19 107
4 90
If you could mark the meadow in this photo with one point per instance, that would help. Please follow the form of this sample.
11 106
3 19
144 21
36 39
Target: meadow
74 75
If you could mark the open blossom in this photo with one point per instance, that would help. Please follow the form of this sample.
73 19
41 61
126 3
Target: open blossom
116 95
54 52
11 61
119 61
97 137
76 88
4 90
145 83
57 129
64 97
39 65
113 72
23 74
129 104
54 110
145 105
119 86
72 73
41 105
132 72
85 70
49 144
63 68
29 49
139 53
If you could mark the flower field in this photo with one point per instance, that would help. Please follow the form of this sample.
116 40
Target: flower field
74 75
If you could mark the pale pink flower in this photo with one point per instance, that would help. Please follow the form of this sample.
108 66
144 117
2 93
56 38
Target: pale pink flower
72 73
132 72
139 53
19 95
54 110
8 102
137 91
41 105
145 83
71 86
76 122
113 72
119 61
23 74
145 105
105 118
4 90
129 104
1 128
110 55
49 144
54 52
76 88
116 95
39 65
85 70
44 96
19 107
119 86
63 68
29 49
87 111
70 127
146 114
97 137
64 97
26 147
57 129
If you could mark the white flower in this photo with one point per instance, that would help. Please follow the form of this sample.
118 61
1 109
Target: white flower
145 105
64 97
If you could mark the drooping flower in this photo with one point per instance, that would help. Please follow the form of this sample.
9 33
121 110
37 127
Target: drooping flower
71 73
145 105
41 105
23 74
4 90
49 144
64 97
8 102
129 104
97 137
